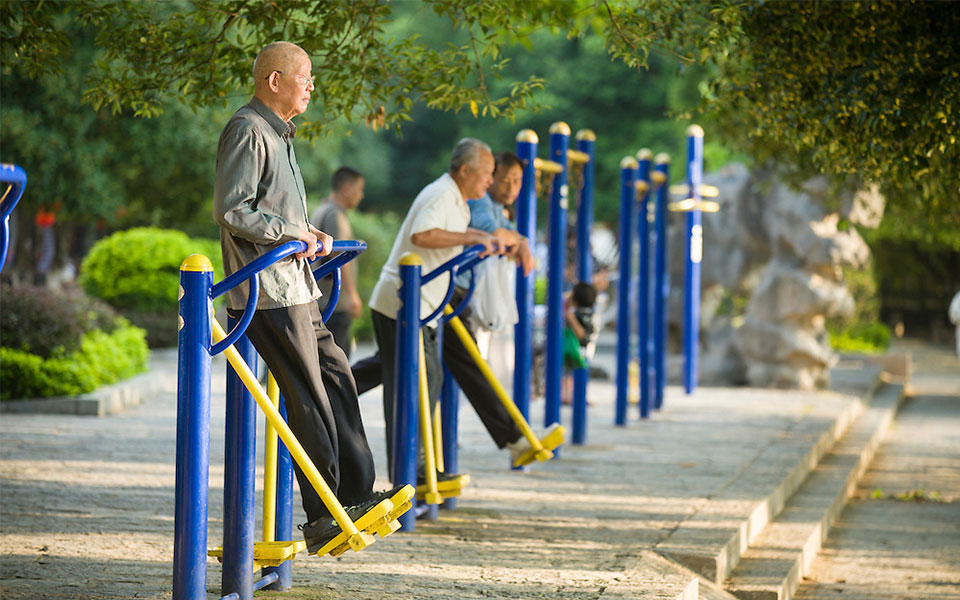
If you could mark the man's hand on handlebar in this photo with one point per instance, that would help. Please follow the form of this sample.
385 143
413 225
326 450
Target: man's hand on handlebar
312 237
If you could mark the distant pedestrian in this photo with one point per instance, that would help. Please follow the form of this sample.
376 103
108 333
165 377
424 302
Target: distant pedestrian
331 218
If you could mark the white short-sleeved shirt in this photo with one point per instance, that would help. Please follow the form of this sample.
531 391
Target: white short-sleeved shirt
440 205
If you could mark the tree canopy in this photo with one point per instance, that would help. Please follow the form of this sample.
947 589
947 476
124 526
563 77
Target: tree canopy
868 89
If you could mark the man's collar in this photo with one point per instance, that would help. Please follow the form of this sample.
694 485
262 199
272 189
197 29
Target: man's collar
279 125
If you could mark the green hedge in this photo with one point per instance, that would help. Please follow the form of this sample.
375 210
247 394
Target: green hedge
139 269
101 359
861 338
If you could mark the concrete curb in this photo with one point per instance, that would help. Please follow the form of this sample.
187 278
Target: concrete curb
107 400
714 552
775 564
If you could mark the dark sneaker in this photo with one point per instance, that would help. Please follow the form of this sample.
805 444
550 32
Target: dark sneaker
318 533
386 494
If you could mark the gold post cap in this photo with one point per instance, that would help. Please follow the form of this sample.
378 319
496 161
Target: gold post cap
586 134
644 154
695 131
410 259
196 262
662 159
642 187
658 178
528 135
560 127
628 162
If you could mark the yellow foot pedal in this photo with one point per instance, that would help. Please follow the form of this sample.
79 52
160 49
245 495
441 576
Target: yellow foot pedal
388 529
449 488
553 439
368 524
402 502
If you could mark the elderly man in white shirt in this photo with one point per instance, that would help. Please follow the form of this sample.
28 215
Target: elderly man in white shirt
437 228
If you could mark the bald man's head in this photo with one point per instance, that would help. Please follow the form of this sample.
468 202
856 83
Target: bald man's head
276 56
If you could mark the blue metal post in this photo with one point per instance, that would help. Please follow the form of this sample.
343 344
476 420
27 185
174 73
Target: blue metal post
240 433
586 140
694 253
193 430
644 158
406 408
628 192
559 141
527 226
450 423
661 286
283 527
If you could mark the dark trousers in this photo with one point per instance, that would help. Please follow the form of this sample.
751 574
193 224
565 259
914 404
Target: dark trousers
321 400
339 326
468 376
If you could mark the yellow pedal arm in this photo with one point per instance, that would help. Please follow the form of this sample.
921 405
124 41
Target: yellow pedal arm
293 445
438 440
426 434
508 403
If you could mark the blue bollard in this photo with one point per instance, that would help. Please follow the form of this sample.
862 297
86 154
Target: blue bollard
193 430
628 191
694 254
559 141
406 407
586 140
644 158
239 459
661 286
527 226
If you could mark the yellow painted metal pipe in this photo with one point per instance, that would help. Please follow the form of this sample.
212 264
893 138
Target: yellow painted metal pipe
507 401
576 156
438 440
358 540
270 466
547 166
426 434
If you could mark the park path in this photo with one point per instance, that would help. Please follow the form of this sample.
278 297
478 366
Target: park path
893 541
87 503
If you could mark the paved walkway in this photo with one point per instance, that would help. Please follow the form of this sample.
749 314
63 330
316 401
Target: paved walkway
87 503
900 536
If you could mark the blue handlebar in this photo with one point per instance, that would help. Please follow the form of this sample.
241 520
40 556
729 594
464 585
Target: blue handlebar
467 259
16 180
249 272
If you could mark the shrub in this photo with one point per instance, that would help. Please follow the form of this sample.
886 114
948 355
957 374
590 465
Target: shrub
139 268
47 323
861 338
101 358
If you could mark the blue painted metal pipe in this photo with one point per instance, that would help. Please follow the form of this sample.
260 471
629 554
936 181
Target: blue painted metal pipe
586 140
527 226
193 431
283 527
406 407
644 158
239 461
694 254
559 141
628 192
661 286
450 425
16 180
